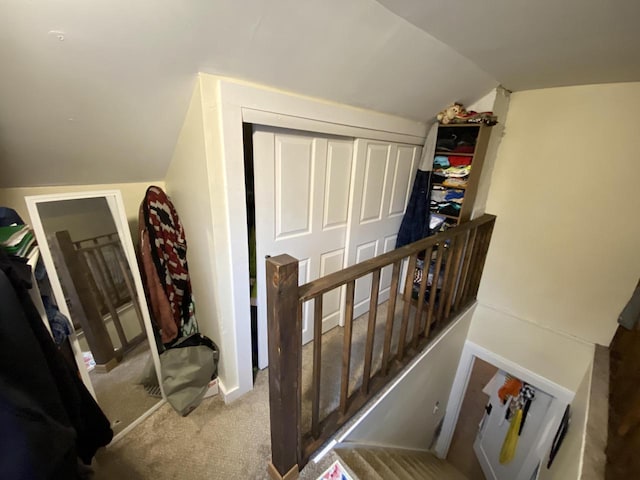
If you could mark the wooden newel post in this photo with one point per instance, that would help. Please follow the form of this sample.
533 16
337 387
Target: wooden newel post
284 325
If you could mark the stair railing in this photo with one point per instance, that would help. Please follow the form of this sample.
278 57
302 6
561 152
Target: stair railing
453 262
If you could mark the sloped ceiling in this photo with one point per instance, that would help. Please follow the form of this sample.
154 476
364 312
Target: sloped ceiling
529 44
105 103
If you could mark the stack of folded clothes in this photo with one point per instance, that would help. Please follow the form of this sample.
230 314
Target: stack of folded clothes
17 240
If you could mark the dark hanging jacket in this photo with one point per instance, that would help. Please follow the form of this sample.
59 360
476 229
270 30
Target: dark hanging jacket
49 419
415 223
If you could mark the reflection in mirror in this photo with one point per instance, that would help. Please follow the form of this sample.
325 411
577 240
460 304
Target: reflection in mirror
100 294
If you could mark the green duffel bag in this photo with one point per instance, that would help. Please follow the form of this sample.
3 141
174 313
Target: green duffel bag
187 368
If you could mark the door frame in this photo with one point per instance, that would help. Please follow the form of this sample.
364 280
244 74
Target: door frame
471 351
227 105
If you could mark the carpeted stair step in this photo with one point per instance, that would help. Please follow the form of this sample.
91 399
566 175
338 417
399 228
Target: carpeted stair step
358 464
402 467
382 467
395 464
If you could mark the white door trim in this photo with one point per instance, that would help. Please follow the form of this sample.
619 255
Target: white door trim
228 104
281 120
470 352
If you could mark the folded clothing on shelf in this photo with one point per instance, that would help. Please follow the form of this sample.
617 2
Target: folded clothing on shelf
17 240
455 182
458 161
451 209
457 172
440 161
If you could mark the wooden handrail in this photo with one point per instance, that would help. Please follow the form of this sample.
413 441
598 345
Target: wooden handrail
452 264
314 288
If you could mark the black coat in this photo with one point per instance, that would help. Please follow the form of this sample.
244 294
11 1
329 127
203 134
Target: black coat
48 417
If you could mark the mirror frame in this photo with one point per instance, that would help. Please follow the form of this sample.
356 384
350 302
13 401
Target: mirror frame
116 206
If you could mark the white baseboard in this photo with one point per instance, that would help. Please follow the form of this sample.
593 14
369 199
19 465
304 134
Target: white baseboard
228 394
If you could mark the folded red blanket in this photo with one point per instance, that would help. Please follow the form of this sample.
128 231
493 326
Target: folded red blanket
456 161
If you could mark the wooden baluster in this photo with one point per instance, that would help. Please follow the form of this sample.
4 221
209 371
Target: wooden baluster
102 287
76 273
126 273
455 274
446 280
421 294
462 246
476 272
473 270
434 288
317 364
408 288
346 347
391 313
284 329
101 263
462 284
371 330
482 257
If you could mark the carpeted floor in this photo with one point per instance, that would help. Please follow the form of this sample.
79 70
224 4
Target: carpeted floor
219 441
231 441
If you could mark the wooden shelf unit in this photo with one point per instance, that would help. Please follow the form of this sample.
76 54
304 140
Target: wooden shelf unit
477 162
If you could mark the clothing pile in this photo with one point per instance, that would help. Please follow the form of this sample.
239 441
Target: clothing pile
419 273
51 425
18 242
163 251
189 360
451 173
452 176
519 395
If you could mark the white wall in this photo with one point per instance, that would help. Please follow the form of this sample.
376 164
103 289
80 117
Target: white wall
564 252
429 381
500 107
132 195
569 460
556 357
190 183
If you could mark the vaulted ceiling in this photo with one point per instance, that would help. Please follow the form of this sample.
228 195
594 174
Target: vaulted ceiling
96 91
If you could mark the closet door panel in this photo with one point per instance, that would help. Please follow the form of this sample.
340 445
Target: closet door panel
382 179
363 285
337 185
388 244
294 170
376 164
332 302
302 187
403 174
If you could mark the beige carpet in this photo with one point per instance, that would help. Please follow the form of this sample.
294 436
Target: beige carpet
214 441
218 441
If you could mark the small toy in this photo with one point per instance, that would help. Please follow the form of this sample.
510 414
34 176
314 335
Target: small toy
456 113
450 113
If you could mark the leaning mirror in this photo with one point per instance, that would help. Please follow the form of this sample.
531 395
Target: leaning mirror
88 252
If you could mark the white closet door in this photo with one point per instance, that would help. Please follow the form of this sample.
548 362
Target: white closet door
302 186
383 177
